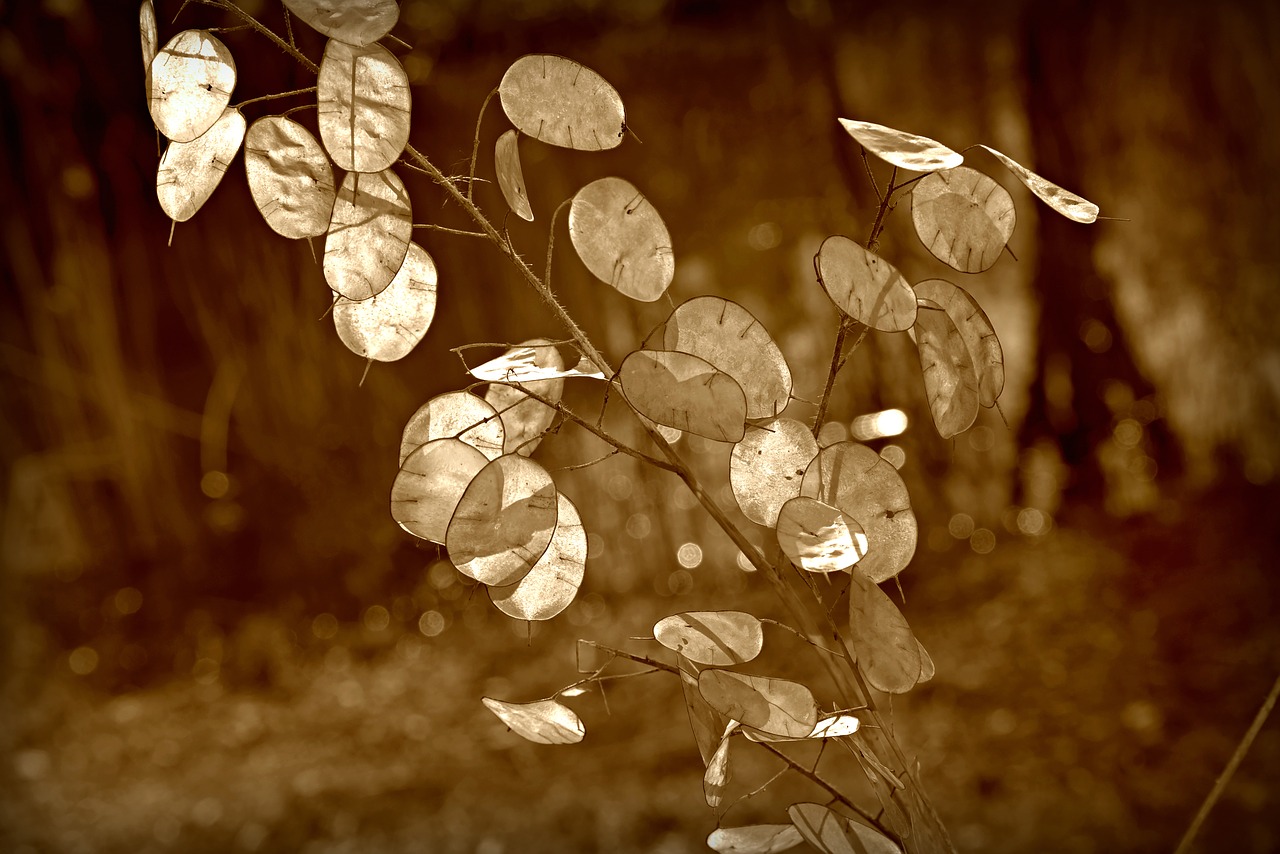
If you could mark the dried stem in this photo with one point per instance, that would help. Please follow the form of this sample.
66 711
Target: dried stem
1220 784
847 676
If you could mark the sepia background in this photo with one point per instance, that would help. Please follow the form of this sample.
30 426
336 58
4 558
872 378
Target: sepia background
215 638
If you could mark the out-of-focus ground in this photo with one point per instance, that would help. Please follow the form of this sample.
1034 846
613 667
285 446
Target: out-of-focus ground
215 638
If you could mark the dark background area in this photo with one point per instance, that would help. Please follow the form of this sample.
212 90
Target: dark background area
215 638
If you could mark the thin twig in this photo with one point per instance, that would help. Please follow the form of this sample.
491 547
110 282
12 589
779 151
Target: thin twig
1220 784
639 659
448 230
277 95
814 777
475 146
551 241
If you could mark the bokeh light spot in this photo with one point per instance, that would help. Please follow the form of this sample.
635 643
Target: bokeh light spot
982 541
376 618
961 526
431 623
128 600
215 484
83 660
689 555
324 626
638 526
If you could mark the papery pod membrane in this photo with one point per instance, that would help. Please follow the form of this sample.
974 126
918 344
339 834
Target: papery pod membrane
504 521
836 726
927 669
775 706
832 726
150 35
718 771
454 414
1065 202
289 177
754 839
706 723
363 106
552 584
685 392
865 286
526 419
621 239
189 172
729 337
189 84
819 538
356 22
557 101
506 159
717 638
767 467
963 217
899 148
368 234
429 485
950 380
975 328
520 364
543 722
833 833
887 651
869 490
388 325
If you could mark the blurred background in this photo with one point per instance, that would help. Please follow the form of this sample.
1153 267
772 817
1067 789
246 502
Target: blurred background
214 637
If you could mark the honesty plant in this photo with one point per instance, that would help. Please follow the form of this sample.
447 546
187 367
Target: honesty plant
467 479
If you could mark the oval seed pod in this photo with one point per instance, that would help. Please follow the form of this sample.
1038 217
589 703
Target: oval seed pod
730 338
523 418
150 35
950 380
356 22
682 391
975 328
621 239
887 650
543 722
504 521
1063 201
552 584
191 80
558 101
717 638
774 706
868 490
865 286
289 177
429 485
767 467
363 105
388 325
368 234
963 217
189 172
754 839
506 158
819 538
454 414
904 150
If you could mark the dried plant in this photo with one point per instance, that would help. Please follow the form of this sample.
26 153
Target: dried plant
468 480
